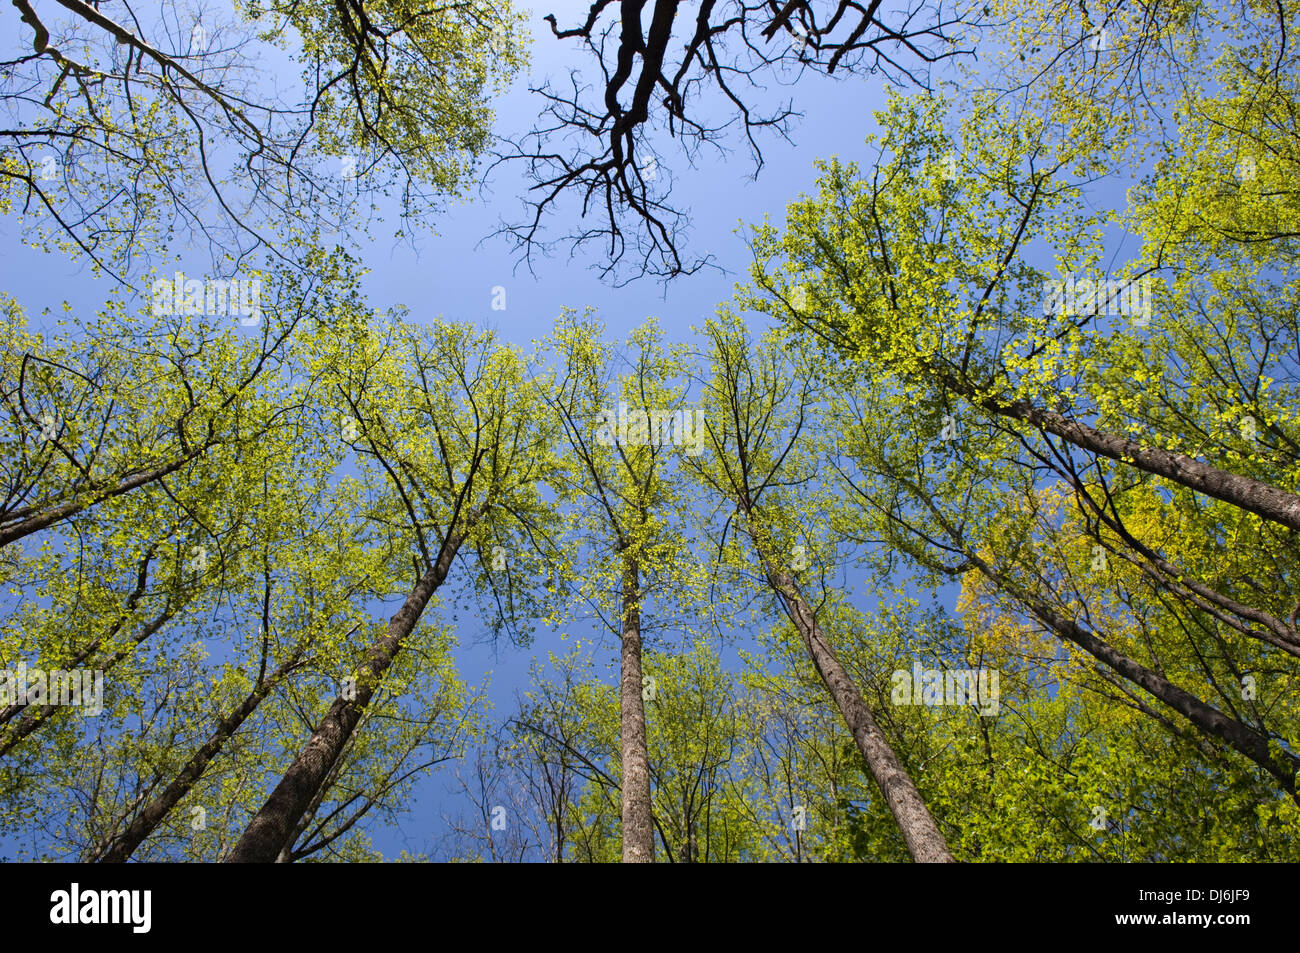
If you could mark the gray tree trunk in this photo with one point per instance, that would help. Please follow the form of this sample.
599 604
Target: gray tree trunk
273 826
638 820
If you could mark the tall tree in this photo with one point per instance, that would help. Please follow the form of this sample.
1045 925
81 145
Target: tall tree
631 516
477 478
971 376
756 411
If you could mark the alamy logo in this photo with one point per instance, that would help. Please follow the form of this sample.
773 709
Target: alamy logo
967 686
1118 298
79 686
657 427
103 906
214 297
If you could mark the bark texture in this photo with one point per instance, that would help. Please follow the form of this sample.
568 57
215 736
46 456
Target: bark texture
638 819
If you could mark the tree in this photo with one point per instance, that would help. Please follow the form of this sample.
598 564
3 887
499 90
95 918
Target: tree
126 119
475 480
107 547
960 322
594 143
928 293
630 517
78 430
756 411
525 787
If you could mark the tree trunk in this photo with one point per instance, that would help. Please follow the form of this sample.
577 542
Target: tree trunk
638 820
1271 503
925 842
273 826
1239 736
153 813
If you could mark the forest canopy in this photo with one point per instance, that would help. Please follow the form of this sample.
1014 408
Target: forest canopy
964 530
